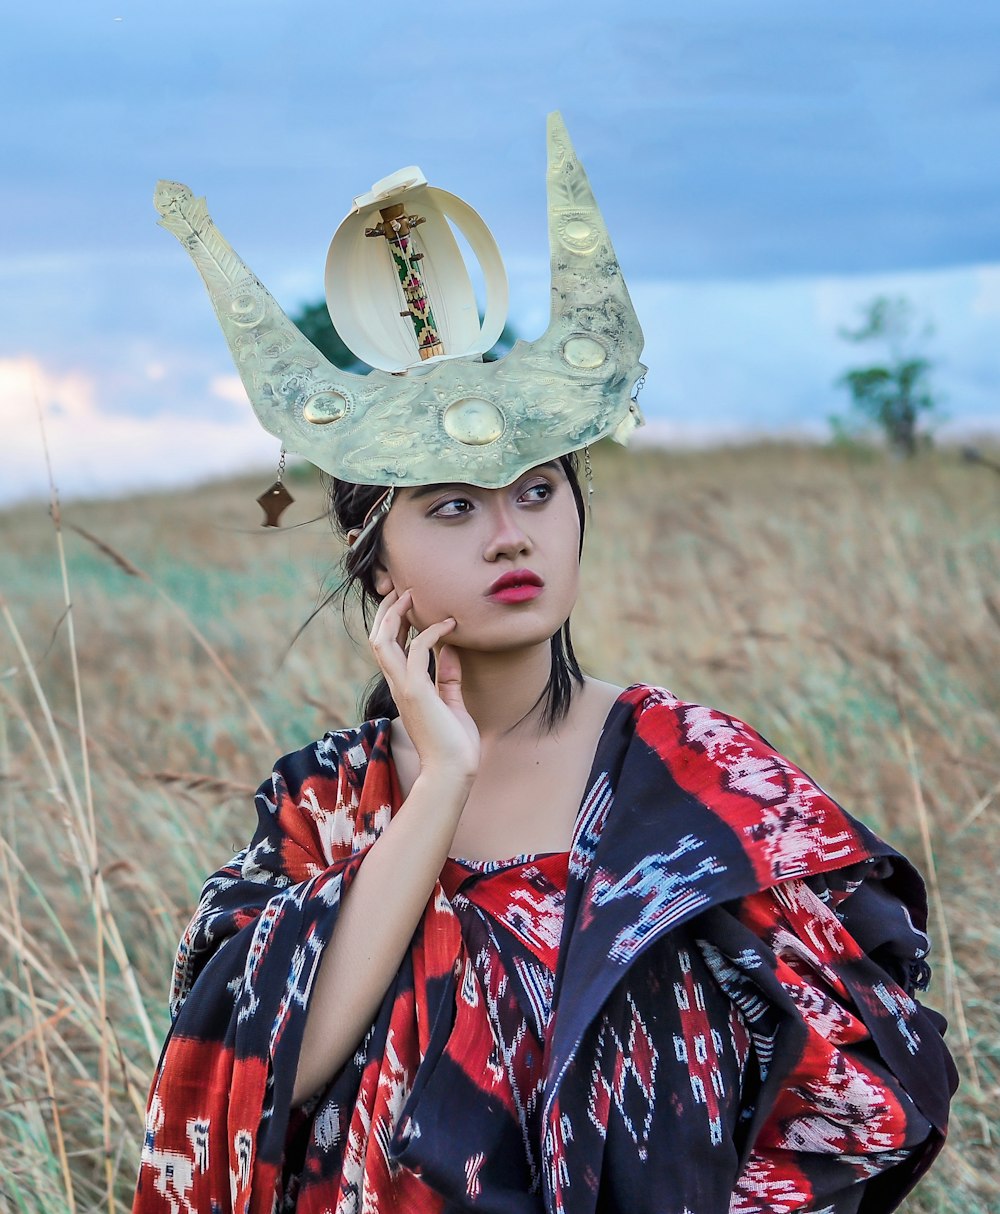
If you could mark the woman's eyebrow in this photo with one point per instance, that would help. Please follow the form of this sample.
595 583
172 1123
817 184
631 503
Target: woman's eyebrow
427 490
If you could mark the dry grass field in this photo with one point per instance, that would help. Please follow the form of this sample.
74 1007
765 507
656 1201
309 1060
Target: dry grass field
847 605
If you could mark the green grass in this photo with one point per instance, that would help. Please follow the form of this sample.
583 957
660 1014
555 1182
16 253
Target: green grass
847 606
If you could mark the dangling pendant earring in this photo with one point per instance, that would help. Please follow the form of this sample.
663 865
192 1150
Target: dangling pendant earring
275 500
588 471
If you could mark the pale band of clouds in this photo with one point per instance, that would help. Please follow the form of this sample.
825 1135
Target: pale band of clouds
97 453
729 361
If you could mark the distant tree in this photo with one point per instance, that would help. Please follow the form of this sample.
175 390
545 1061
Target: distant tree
896 392
314 321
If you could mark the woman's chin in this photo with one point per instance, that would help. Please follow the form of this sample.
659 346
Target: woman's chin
512 637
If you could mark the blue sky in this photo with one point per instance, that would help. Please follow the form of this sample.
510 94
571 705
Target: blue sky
763 169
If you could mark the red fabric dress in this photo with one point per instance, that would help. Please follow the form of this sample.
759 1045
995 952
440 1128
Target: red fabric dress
706 1006
511 913
837 1100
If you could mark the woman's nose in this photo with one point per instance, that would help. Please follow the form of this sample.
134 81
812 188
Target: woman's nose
507 536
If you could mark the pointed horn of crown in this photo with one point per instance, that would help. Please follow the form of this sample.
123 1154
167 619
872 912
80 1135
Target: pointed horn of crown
593 329
456 420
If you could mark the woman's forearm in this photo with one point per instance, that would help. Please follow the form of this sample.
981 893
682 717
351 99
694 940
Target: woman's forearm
379 913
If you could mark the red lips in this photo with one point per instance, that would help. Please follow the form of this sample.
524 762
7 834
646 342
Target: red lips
517 577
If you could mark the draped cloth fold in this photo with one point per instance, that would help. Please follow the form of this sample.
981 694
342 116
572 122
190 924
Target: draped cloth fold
733 1024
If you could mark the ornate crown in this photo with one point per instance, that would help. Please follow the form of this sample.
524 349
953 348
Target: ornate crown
432 410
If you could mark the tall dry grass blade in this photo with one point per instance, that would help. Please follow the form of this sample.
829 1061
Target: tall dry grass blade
193 781
123 563
71 950
38 1022
91 877
50 1021
98 897
204 644
980 806
930 865
27 953
65 788
115 941
71 1055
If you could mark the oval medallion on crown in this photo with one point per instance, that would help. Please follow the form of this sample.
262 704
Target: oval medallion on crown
324 407
578 232
473 421
245 305
584 353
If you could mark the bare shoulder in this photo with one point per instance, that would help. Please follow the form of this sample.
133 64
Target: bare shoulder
575 738
593 703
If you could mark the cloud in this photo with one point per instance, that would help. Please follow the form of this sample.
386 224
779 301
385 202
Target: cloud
230 389
96 453
764 356
987 298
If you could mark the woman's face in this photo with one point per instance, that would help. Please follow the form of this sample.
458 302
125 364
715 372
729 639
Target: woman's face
503 562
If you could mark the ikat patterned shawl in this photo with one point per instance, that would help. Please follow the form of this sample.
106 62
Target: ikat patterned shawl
733 1025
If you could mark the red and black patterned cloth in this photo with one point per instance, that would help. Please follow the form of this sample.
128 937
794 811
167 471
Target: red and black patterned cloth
705 1007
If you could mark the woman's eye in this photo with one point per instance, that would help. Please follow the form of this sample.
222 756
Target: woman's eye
452 508
537 493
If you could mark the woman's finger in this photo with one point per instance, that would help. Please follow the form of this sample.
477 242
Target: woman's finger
449 676
424 642
390 616
403 632
387 638
389 601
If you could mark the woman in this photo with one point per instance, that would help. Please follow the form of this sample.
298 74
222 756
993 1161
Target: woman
527 941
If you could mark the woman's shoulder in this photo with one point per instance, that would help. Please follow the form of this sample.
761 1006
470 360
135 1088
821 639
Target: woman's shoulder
338 753
702 725
694 737
325 801
785 820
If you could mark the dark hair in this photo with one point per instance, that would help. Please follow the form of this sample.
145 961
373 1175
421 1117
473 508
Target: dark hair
349 506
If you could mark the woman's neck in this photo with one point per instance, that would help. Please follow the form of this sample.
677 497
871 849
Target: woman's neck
501 689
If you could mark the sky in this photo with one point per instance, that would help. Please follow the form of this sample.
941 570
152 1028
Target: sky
764 171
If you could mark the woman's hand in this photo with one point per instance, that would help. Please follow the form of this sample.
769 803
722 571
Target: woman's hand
434 715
